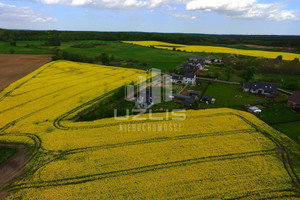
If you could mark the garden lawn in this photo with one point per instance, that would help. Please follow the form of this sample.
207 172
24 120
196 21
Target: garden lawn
278 113
228 95
291 129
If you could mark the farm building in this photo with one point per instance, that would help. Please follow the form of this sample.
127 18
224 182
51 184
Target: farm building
266 89
187 100
189 79
194 93
294 101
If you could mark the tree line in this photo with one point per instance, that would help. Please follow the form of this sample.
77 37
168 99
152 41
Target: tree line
55 37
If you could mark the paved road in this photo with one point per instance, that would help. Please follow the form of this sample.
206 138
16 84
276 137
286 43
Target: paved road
209 79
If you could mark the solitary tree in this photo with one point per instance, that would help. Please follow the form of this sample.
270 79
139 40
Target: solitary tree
279 57
104 59
248 73
228 71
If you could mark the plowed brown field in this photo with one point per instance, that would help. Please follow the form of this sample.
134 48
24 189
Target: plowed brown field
15 66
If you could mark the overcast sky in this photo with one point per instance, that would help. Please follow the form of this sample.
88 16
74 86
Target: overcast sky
281 17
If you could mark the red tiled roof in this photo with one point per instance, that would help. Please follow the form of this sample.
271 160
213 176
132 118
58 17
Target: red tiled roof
295 97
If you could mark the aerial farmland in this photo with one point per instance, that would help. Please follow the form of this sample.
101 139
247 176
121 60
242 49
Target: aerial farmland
167 109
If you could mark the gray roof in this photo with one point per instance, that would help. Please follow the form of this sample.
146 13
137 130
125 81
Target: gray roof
176 77
194 93
180 96
189 75
206 98
265 86
189 101
196 57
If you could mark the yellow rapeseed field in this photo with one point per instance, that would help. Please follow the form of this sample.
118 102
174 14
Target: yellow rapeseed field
215 49
212 154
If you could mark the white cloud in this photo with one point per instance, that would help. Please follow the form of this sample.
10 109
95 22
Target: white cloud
186 16
12 12
114 4
251 9
243 9
283 15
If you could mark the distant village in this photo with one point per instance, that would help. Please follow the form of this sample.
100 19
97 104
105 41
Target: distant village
189 97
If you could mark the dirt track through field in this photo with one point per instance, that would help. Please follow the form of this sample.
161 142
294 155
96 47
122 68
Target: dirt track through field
15 66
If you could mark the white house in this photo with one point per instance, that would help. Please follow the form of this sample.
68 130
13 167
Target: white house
200 66
177 79
218 60
189 79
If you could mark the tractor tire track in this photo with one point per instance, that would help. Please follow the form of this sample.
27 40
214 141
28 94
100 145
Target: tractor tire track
142 169
2 129
285 157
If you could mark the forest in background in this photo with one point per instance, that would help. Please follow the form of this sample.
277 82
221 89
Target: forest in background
290 43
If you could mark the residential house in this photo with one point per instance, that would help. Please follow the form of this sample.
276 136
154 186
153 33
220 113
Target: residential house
189 79
209 60
194 58
177 79
266 89
294 101
190 68
200 65
194 65
217 60
145 100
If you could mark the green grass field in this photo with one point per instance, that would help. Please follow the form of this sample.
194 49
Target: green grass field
146 57
154 58
291 129
6 153
227 95
278 113
21 48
